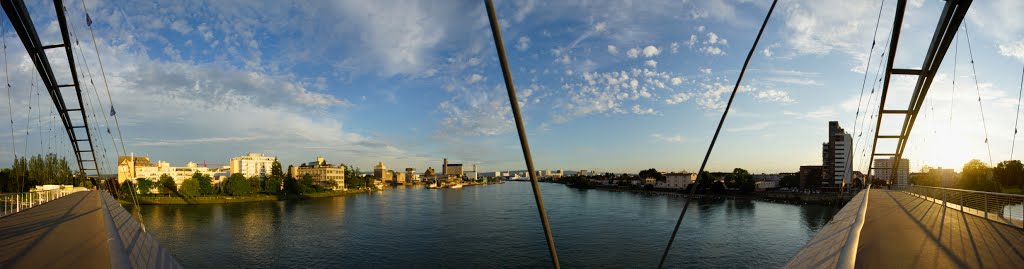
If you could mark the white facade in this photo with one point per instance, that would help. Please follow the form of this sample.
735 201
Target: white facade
252 164
133 170
677 181
883 171
767 184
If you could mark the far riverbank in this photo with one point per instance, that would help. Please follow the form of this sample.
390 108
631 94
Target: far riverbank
178 200
784 197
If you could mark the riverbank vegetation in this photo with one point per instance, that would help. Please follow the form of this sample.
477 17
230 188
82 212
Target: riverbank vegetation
48 169
201 188
1007 177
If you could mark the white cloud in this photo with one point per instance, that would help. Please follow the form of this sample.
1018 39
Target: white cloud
523 8
676 81
712 50
1015 49
751 127
712 38
613 50
643 111
564 59
651 51
675 47
794 81
523 44
600 26
651 63
706 71
774 96
181 26
677 98
474 78
692 41
633 53
700 28
665 138
819 114
767 52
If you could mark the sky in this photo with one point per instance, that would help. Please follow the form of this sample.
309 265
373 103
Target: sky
616 86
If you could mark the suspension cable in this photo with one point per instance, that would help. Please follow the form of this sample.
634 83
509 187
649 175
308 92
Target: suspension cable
714 138
88 71
103 72
1019 93
513 100
863 83
978 88
10 105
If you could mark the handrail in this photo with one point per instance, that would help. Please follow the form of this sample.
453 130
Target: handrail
17 202
991 206
971 191
848 256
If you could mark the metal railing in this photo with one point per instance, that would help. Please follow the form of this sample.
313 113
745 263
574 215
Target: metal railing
17 202
999 207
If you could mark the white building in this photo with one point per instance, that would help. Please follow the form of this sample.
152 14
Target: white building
883 171
677 181
252 164
835 157
134 168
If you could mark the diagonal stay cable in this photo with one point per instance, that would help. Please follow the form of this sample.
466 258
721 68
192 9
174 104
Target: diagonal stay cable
507 73
1015 120
977 87
707 155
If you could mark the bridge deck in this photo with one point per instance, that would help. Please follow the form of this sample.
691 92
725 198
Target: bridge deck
903 231
65 233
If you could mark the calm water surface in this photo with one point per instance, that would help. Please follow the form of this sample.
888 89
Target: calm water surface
483 226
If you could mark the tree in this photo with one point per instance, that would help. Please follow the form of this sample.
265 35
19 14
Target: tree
205 183
718 187
189 188
789 181
255 184
1009 173
237 185
652 173
743 180
975 176
272 185
306 184
166 184
126 188
704 180
290 186
144 185
275 170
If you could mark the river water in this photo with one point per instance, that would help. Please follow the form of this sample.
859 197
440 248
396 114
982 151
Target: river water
483 226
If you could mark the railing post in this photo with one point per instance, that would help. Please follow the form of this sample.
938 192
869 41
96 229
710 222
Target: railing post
986 205
961 201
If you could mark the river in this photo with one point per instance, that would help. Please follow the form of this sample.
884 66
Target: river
483 226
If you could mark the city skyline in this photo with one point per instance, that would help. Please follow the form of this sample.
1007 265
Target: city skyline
412 83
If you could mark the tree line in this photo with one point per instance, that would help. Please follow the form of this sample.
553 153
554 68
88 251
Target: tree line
48 169
1006 176
277 183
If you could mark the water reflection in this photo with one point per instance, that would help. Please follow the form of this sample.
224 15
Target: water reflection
483 226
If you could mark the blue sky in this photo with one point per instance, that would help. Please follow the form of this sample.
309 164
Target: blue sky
616 86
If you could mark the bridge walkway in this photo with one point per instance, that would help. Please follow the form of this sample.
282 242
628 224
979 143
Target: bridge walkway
68 232
904 231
